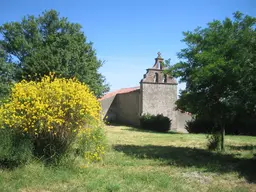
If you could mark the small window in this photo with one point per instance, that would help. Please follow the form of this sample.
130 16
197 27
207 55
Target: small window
156 78
165 79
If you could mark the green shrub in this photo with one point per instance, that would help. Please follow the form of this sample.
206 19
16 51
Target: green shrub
200 125
15 148
214 141
240 126
158 123
91 144
88 147
50 148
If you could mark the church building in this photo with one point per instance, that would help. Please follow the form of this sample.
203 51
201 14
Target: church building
156 94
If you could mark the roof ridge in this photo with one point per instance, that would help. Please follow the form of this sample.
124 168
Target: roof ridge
119 91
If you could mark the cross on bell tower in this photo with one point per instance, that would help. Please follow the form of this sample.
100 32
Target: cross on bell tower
159 55
159 59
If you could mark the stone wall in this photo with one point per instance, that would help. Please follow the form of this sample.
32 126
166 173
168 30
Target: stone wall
106 105
128 108
159 98
122 108
182 119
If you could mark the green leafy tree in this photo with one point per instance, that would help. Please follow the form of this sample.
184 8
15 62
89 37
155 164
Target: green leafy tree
49 43
219 68
7 75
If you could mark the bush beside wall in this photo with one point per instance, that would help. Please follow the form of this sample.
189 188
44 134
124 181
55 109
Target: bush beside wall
158 123
241 126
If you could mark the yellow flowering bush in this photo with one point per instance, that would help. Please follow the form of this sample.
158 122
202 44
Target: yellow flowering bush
52 112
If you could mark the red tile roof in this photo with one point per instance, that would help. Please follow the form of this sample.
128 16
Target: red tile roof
120 91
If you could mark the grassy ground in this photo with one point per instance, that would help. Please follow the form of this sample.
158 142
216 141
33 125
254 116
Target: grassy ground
144 161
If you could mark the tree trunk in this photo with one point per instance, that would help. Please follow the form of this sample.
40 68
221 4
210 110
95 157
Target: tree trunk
222 137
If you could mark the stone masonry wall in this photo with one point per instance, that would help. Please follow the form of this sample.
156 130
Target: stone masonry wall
128 107
106 105
182 119
159 98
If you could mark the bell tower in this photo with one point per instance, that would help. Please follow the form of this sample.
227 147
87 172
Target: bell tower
159 92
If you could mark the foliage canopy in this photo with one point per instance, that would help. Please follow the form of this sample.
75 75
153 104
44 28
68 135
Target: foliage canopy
50 43
219 67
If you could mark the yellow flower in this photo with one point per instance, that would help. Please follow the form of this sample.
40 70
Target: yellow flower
56 106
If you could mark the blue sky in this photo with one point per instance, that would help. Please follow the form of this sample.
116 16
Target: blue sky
127 34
